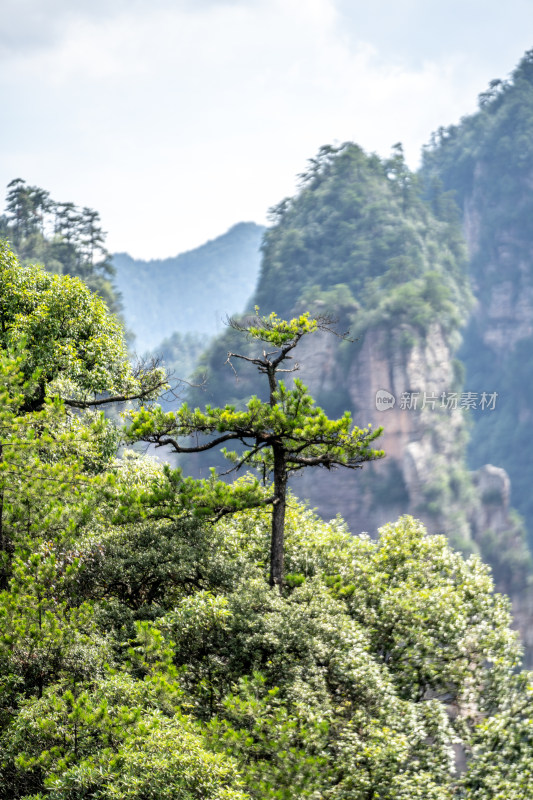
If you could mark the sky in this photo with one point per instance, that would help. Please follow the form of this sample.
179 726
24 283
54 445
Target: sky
176 119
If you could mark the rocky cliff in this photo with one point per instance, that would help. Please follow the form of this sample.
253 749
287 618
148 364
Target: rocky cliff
425 420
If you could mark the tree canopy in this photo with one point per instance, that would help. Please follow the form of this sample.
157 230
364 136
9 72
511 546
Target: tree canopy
74 348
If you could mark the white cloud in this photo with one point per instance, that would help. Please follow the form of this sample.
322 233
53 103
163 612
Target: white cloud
176 120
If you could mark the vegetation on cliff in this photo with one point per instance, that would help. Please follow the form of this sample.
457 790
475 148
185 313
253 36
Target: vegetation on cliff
359 227
487 162
358 241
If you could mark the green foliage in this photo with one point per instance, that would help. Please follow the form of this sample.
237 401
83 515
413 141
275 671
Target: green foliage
44 637
171 495
110 740
304 426
341 686
359 221
484 148
362 677
144 655
345 684
281 750
503 745
73 346
47 463
62 237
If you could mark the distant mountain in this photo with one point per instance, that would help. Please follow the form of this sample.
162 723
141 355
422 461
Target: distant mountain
192 292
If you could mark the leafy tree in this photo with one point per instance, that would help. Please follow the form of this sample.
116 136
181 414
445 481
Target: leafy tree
60 351
282 436
47 462
502 767
45 636
26 207
74 348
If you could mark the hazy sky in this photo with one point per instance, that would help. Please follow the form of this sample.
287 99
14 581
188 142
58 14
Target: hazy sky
175 119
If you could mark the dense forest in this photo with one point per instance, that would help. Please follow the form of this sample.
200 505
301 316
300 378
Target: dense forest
144 654
190 628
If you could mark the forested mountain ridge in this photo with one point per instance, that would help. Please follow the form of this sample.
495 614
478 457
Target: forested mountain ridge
192 292
358 222
487 162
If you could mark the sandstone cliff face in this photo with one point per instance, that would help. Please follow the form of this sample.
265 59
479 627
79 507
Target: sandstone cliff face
420 435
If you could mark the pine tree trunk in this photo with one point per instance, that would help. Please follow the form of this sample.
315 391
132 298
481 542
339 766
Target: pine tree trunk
278 517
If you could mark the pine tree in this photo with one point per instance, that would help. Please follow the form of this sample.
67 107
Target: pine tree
280 437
